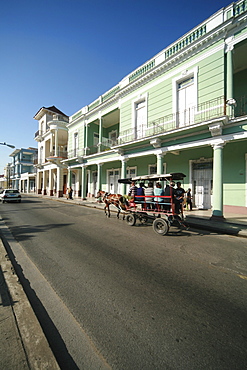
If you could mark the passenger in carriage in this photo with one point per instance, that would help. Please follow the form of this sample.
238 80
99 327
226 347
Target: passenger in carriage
149 191
158 200
140 194
132 191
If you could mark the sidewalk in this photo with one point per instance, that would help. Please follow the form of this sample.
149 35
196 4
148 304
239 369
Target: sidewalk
22 342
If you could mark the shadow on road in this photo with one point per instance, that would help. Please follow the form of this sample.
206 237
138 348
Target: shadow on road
53 337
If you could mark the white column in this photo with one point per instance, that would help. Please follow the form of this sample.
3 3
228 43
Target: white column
59 182
100 134
28 184
159 163
123 175
229 75
56 144
99 176
50 182
38 183
83 182
44 183
51 145
218 180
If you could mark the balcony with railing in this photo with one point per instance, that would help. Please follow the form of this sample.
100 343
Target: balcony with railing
75 153
59 154
105 145
187 118
201 113
38 136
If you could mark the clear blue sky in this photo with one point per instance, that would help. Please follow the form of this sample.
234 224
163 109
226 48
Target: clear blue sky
68 52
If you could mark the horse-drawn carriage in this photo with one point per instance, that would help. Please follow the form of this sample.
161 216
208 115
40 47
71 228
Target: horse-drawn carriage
161 210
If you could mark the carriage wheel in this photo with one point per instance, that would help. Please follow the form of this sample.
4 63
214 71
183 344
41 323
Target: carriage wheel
160 226
131 219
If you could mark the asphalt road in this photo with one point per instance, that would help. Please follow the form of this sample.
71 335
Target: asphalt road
113 296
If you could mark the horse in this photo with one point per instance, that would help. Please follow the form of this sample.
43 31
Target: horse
116 200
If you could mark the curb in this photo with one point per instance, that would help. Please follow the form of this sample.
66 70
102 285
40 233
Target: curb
36 349
221 227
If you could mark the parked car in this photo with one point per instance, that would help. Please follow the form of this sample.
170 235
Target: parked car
10 195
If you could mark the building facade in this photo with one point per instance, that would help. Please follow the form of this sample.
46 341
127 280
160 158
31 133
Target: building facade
52 138
22 173
184 110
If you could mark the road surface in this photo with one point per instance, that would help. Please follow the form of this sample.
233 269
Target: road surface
111 296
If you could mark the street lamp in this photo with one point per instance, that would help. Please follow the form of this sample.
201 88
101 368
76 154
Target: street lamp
9 145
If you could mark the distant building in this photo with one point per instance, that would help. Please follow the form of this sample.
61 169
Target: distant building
52 138
22 174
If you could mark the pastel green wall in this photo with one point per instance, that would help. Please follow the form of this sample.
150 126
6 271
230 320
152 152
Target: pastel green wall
234 173
160 96
79 128
211 77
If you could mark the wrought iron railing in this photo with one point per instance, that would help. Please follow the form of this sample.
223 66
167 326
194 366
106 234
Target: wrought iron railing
38 133
59 153
203 112
76 152
100 148
188 117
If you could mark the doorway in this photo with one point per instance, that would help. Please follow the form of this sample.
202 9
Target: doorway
113 176
94 183
202 182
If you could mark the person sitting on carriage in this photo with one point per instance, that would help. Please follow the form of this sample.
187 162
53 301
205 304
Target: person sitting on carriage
140 194
149 191
158 200
132 191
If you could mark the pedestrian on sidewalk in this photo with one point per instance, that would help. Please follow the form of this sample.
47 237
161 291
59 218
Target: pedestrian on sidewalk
70 193
189 200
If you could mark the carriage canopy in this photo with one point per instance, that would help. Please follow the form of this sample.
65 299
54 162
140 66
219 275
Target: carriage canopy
174 176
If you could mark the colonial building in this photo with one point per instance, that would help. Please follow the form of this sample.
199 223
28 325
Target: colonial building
52 138
184 110
22 172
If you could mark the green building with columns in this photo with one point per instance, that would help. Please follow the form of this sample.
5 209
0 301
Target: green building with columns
184 110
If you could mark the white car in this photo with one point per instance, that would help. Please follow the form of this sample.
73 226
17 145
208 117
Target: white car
10 195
